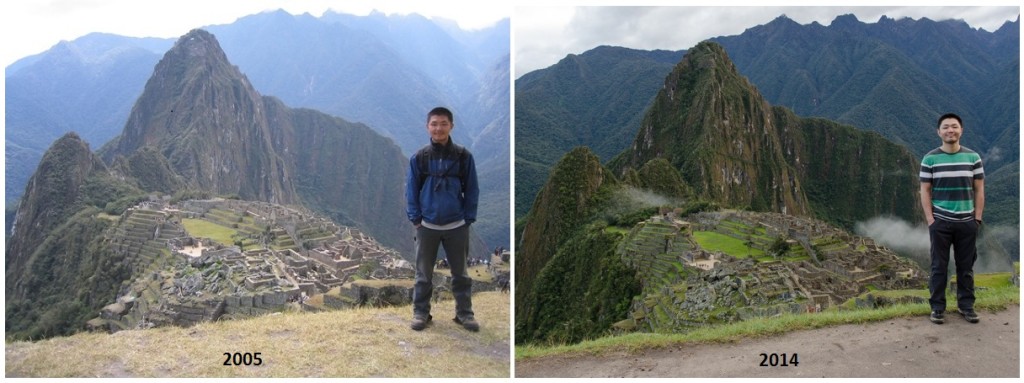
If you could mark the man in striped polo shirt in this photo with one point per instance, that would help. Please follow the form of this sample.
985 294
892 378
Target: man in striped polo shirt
953 197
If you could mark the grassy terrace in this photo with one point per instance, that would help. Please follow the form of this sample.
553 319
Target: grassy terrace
712 241
207 229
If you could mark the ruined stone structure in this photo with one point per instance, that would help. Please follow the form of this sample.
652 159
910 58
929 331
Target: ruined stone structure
293 255
685 285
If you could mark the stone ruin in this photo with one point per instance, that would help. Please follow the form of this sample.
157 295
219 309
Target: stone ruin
183 280
686 286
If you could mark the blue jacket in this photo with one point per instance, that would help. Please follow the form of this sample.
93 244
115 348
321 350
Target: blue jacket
441 196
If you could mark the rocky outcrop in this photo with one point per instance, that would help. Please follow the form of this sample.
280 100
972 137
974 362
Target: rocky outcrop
735 149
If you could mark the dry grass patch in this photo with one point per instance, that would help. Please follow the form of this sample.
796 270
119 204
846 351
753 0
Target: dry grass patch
349 343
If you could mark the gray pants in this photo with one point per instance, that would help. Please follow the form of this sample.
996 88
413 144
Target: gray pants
456 246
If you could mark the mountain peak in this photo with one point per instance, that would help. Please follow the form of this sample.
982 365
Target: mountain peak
714 126
198 43
845 21
195 105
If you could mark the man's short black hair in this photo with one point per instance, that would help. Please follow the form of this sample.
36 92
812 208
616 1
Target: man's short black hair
950 115
441 111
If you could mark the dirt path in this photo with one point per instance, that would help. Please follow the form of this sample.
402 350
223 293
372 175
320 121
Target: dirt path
903 347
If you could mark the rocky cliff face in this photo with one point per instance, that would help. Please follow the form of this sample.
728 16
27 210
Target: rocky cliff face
209 123
735 149
711 123
201 116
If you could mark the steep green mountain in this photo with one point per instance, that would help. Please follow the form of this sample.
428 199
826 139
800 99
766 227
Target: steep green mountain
58 271
710 123
894 77
199 115
594 99
577 188
735 149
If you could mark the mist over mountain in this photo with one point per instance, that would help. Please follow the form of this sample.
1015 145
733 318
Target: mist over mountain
378 70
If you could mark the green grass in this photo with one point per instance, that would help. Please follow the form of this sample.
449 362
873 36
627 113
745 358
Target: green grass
207 229
998 298
616 229
993 280
712 241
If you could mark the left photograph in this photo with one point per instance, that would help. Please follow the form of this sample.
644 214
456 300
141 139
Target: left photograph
257 191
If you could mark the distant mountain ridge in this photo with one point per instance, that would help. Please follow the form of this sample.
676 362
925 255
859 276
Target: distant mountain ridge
892 76
881 75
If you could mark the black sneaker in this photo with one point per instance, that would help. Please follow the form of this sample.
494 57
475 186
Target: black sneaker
937 317
468 323
420 322
970 315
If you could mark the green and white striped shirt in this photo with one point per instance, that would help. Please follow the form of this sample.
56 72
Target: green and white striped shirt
952 177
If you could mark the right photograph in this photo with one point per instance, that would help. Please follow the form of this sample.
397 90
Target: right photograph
767 192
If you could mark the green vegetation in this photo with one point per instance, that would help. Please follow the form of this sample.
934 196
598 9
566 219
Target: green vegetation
206 229
993 299
71 275
568 105
580 293
712 241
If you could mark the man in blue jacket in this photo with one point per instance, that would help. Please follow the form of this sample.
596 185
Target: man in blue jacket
442 195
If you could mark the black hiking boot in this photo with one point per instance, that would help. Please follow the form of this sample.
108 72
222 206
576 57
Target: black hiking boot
420 322
937 317
970 316
468 322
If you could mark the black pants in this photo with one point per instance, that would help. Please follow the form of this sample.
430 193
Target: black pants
962 236
456 246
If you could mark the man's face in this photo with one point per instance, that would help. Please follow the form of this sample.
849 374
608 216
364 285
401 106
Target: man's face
950 131
439 128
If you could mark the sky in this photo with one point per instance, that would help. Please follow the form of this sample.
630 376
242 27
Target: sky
674 28
33 26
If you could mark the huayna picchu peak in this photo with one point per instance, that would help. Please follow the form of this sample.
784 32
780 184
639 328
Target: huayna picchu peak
735 149
209 122
199 114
